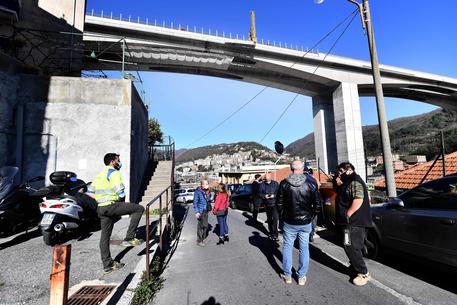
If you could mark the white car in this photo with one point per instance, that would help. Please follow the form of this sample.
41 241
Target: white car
184 195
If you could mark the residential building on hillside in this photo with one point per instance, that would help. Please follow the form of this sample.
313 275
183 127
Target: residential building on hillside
413 176
413 159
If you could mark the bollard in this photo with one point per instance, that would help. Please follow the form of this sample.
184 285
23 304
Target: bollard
60 275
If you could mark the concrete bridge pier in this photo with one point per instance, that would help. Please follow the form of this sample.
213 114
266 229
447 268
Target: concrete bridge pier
338 129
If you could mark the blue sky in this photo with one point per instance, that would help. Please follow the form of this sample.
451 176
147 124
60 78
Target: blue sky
412 34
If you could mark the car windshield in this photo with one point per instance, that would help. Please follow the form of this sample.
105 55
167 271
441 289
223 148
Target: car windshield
179 191
191 190
244 188
7 174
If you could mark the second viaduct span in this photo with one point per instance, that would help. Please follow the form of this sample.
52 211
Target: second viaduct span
335 86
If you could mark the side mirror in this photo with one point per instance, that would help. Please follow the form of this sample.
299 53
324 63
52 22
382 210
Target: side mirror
279 147
395 203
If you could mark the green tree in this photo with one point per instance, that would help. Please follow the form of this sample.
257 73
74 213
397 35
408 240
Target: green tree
155 134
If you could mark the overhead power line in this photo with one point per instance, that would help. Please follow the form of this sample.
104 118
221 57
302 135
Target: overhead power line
266 87
312 75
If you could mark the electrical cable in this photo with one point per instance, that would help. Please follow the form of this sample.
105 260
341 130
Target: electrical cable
307 80
266 87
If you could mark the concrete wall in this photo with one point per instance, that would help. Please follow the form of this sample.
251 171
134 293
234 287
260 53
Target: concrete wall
40 22
8 91
71 123
139 146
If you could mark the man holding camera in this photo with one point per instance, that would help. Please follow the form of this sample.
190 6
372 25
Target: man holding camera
353 214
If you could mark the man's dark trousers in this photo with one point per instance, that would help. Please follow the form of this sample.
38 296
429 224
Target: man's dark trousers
272 219
256 204
354 250
108 215
202 227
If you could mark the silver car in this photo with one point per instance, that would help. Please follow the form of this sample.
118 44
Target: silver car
421 222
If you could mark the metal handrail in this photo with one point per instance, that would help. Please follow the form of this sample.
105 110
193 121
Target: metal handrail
169 198
158 197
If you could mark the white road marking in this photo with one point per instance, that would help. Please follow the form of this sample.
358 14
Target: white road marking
403 298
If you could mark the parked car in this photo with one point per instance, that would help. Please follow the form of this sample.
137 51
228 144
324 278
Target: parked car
184 195
231 188
421 222
242 198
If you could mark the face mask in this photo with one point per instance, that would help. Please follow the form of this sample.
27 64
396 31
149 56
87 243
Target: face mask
118 166
268 181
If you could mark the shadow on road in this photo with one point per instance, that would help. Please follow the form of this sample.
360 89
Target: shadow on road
20 239
255 224
211 301
427 271
268 248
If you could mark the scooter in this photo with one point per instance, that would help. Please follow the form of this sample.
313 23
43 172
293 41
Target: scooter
19 207
67 210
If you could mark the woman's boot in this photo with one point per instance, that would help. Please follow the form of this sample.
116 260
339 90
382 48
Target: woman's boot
221 241
226 238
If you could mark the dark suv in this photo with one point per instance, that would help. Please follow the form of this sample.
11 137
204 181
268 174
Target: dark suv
420 222
242 198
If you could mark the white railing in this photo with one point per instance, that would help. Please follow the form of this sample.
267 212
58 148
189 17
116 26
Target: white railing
199 30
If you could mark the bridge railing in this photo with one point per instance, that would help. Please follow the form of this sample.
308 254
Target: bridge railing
199 30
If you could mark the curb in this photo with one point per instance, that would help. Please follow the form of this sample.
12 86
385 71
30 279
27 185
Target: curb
127 296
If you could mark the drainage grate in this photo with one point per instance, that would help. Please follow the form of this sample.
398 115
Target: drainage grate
90 295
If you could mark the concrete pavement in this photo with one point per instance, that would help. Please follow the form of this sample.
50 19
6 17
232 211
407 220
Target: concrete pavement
26 265
245 271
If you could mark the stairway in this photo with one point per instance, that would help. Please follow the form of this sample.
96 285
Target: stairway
160 180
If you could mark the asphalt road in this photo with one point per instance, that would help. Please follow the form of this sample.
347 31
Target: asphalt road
246 271
25 265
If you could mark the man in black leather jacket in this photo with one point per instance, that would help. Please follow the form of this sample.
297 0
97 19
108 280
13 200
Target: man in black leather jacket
298 200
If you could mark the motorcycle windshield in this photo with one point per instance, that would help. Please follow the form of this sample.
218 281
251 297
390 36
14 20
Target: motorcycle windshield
7 174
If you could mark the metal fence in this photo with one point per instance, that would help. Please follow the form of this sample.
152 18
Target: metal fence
164 151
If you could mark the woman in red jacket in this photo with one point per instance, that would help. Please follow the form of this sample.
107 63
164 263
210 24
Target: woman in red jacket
221 210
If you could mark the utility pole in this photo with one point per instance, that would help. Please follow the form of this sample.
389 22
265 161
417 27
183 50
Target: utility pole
365 14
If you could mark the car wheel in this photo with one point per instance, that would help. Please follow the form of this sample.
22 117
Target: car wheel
372 247
232 204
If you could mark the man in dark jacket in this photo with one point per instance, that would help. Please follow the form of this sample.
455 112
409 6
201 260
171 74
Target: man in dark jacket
256 196
202 196
268 190
298 200
353 213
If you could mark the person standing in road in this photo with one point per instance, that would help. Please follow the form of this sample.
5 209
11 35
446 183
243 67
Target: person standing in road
109 192
309 175
221 211
202 202
353 214
297 199
257 200
268 191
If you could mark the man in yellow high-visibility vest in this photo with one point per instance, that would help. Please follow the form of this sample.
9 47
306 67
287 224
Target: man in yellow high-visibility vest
109 192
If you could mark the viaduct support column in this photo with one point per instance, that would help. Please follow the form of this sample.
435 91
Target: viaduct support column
338 129
324 132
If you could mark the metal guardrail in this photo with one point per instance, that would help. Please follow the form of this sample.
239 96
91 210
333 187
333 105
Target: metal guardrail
162 151
166 151
199 30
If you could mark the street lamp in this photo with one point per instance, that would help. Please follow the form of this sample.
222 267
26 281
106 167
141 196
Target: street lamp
365 15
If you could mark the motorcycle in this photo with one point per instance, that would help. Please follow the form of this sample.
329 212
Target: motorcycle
19 206
66 209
